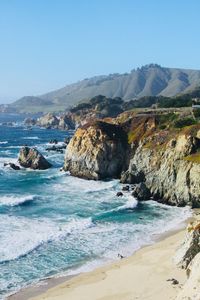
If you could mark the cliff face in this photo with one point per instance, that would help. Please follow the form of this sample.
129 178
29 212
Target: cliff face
168 174
138 150
96 151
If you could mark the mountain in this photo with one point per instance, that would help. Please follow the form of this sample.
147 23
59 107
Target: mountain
149 80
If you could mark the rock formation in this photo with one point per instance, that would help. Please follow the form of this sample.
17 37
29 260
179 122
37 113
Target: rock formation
168 174
190 246
12 166
97 151
188 257
63 122
32 158
166 160
48 120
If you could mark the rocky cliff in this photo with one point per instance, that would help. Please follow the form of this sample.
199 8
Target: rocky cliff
169 173
141 149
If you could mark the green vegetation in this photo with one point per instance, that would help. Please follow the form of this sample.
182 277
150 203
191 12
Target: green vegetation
184 122
180 101
105 107
195 158
166 120
196 113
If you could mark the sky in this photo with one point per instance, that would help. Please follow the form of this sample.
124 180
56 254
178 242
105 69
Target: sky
46 44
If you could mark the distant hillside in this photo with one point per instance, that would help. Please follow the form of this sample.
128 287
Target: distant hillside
150 80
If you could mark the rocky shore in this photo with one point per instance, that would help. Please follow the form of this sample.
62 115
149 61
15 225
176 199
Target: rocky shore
139 150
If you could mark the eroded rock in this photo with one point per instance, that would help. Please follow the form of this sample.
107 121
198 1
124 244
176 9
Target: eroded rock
97 151
32 158
190 246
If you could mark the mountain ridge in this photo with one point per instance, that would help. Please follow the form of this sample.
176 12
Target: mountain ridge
149 80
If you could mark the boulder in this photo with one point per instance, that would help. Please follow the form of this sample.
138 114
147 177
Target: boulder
119 194
190 246
141 192
126 188
32 158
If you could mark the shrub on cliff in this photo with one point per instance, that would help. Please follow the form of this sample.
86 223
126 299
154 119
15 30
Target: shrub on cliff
184 122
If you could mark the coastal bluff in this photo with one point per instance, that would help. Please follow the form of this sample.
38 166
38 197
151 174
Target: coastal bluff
140 148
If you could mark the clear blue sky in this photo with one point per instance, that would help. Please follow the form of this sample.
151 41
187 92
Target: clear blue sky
46 44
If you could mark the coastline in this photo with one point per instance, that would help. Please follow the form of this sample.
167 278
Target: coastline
100 283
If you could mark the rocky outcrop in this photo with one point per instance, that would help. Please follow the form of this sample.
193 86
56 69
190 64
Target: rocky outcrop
33 159
63 122
138 150
30 121
97 151
190 246
49 120
66 123
188 257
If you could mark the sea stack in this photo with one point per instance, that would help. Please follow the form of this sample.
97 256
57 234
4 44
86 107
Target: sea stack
97 151
33 159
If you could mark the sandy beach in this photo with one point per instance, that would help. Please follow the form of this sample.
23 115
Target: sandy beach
142 276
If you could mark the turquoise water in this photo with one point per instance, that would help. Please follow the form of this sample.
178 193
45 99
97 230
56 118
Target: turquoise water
52 224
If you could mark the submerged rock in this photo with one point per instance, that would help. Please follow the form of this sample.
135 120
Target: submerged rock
126 188
32 158
97 151
12 166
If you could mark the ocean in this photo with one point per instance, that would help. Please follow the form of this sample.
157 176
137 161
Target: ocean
53 224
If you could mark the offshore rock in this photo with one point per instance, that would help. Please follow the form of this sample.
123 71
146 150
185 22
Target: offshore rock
97 151
12 166
32 158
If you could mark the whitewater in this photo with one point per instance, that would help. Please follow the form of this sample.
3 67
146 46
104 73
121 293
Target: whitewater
53 224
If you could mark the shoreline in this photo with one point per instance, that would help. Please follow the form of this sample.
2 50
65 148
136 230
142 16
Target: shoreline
44 287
